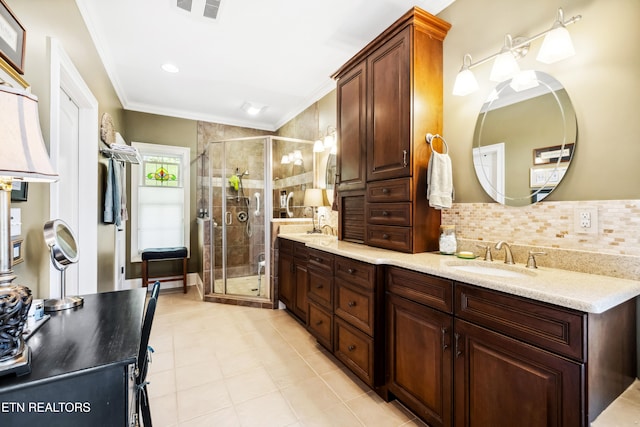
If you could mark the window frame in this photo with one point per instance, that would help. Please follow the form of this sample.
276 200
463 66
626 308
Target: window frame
137 180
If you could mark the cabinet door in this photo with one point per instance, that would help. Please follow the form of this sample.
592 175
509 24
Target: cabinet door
389 109
420 359
301 306
351 160
286 280
500 381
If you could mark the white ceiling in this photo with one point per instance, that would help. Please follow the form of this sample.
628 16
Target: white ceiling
276 53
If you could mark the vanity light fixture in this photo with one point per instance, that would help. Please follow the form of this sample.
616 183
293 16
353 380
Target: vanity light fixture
555 47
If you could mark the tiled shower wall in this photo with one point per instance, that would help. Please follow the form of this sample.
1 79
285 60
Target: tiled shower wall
614 250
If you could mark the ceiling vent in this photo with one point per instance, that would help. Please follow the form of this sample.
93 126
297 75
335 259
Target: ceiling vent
201 8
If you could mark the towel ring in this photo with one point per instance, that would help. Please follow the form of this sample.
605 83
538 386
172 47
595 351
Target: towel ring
429 137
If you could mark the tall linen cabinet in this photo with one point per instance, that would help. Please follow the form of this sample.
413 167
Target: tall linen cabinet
389 97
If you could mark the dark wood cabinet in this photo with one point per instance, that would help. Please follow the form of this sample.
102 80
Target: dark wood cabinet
390 97
499 379
351 165
420 359
292 277
462 355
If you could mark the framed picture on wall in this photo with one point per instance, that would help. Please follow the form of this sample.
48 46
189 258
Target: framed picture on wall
19 191
12 38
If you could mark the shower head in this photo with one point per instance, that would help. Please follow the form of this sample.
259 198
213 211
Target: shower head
244 173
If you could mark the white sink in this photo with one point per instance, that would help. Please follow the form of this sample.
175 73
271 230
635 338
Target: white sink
489 270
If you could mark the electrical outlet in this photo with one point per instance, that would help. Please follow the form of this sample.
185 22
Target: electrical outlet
586 220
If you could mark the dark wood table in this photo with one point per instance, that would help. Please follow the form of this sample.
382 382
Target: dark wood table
81 366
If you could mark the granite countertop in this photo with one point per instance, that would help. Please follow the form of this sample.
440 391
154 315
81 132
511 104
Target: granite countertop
589 293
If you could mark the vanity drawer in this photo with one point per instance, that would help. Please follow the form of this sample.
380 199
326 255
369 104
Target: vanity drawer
422 288
300 251
356 306
354 349
321 259
390 190
356 272
550 327
390 237
321 325
389 213
320 288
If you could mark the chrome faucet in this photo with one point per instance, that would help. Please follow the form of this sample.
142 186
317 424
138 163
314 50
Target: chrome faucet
508 256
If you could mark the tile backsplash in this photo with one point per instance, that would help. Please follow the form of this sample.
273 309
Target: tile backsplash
614 250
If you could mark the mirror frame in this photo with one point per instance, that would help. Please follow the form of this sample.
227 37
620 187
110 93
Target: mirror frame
59 252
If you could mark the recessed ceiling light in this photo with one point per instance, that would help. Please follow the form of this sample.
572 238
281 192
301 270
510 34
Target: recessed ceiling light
170 68
252 109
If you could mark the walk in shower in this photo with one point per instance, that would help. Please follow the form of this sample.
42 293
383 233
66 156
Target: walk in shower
236 204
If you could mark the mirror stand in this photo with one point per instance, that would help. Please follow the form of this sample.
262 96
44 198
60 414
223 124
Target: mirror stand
65 302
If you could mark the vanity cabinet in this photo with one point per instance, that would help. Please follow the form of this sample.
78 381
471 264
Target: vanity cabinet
462 355
320 295
419 343
292 277
390 96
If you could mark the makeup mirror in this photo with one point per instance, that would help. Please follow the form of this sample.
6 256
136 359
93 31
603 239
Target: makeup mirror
63 247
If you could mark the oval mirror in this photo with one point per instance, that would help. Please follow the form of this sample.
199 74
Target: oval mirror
330 176
63 246
524 139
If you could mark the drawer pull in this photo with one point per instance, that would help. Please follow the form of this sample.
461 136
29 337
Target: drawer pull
404 158
385 191
351 347
319 286
319 322
351 303
351 271
385 236
444 342
385 213
458 351
318 259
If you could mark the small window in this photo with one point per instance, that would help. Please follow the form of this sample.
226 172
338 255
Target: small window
159 198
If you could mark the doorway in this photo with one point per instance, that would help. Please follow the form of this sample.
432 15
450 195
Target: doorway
73 146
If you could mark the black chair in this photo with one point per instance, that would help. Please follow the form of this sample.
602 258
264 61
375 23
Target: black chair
143 358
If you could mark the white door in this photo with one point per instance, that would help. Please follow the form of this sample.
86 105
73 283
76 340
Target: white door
489 164
68 165
73 148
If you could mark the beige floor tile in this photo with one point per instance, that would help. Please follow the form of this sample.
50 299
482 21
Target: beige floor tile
345 384
164 411
322 361
310 398
375 412
335 416
624 411
240 363
201 400
197 374
161 383
249 385
161 362
273 408
292 370
225 417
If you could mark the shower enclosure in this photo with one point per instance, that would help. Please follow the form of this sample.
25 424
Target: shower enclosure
236 195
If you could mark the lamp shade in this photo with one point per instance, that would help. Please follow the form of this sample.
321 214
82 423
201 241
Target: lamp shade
556 46
315 197
24 155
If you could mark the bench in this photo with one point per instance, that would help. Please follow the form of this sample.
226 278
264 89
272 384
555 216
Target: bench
163 254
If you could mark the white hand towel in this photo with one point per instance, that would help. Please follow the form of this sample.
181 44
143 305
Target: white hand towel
439 181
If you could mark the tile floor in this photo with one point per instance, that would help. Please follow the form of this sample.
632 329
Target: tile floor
223 365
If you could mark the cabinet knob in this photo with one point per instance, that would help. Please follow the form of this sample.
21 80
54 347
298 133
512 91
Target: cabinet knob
385 191
351 347
318 259
385 236
385 213
319 322
351 303
351 271
319 286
